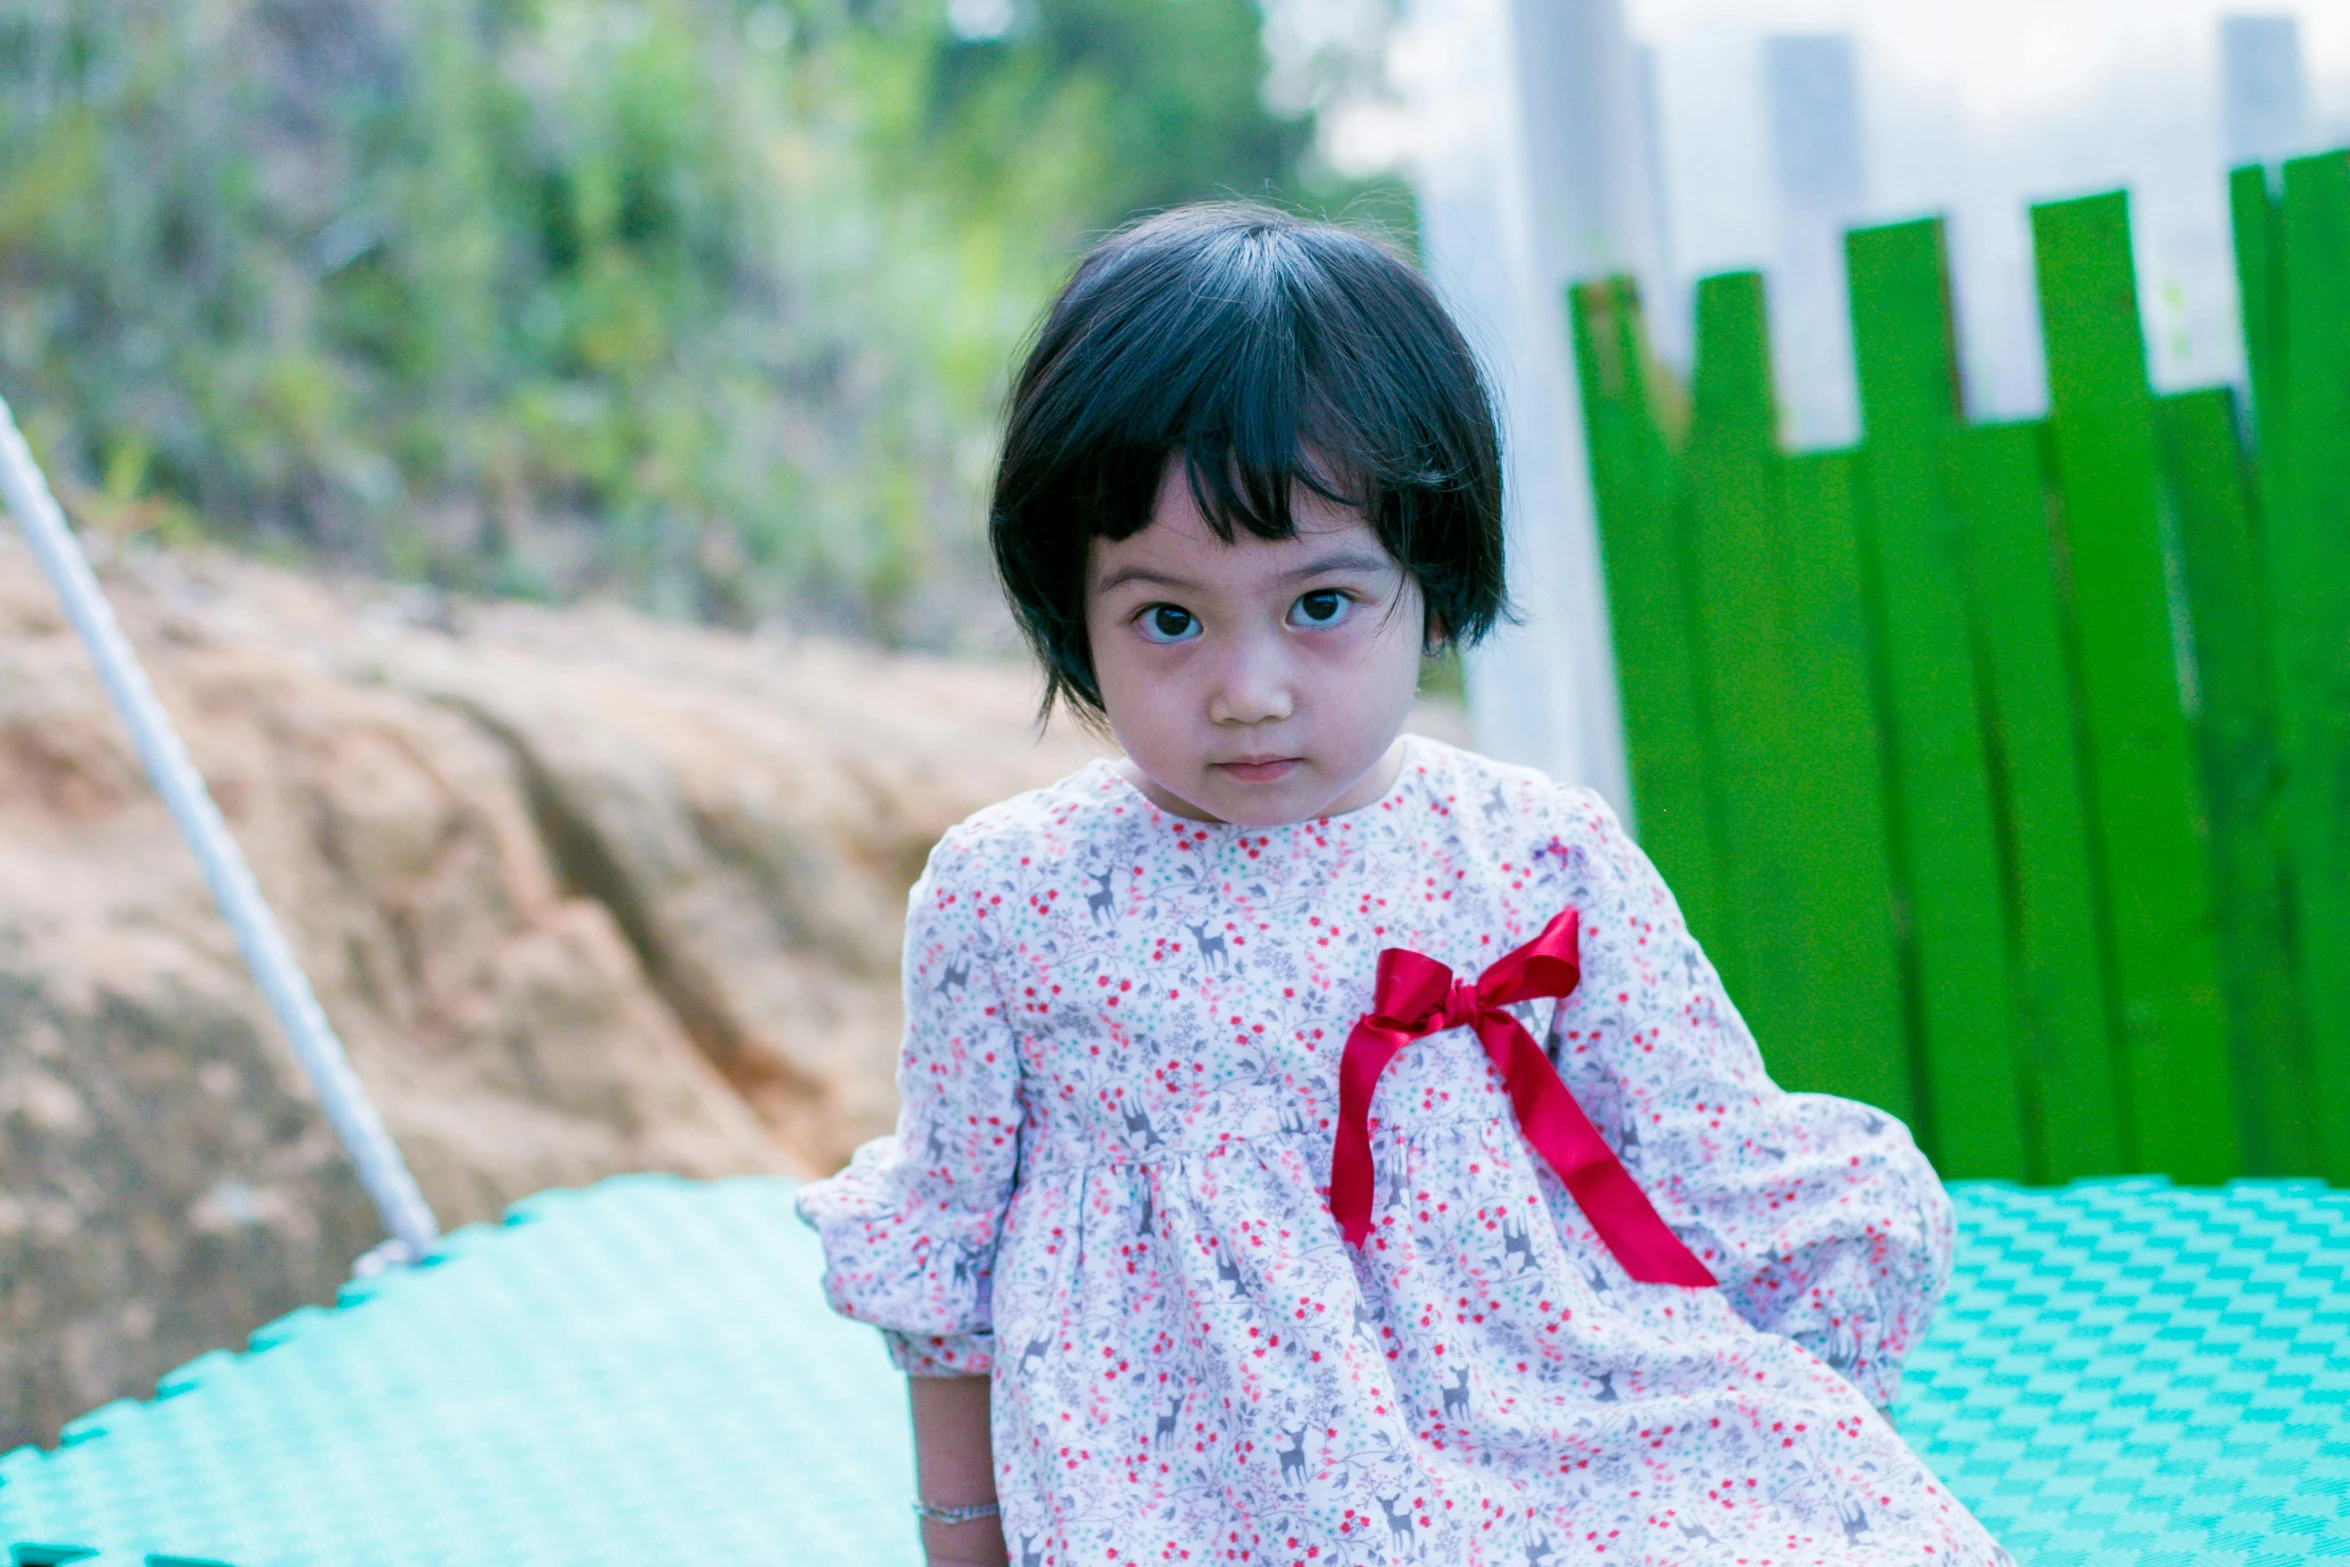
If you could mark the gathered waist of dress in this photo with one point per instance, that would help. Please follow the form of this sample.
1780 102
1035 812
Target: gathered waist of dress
1222 1121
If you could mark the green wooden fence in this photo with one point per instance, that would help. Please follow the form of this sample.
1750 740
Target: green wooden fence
2005 768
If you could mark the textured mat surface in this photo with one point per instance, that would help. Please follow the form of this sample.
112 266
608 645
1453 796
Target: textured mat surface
2124 1373
640 1373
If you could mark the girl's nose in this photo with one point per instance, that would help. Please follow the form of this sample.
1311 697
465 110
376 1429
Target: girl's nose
1253 687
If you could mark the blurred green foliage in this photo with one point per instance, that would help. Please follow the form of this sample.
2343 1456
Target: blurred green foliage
705 301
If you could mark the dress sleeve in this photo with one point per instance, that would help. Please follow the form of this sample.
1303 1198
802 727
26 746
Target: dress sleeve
910 1227
1820 1216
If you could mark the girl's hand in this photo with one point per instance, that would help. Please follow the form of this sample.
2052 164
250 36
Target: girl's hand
954 1466
964 1545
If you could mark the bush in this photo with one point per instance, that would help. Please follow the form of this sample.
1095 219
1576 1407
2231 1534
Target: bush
702 301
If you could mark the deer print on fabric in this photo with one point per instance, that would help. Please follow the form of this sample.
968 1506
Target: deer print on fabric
967 1263
1101 905
1516 1242
1212 955
1456 1396
1228 1272
1293 1454
1139 1130
1399 1523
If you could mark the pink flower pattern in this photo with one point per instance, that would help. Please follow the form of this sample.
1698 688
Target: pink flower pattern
1108 1188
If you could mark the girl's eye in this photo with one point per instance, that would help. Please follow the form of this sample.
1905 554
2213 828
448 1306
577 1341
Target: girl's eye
1167 623
1324 608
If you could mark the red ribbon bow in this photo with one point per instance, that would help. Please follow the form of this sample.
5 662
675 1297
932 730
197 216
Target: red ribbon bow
1417 996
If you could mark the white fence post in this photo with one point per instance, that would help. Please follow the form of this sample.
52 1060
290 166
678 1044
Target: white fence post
1534 170
2264 91
1812 95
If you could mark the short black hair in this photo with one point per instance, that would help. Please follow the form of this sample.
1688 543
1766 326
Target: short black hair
1271 351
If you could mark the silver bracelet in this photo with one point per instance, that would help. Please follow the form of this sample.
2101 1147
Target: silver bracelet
954 1515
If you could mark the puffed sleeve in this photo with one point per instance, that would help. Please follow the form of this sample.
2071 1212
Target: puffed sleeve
910 1227
1819 1215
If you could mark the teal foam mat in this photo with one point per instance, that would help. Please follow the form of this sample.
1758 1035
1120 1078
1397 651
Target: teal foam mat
2124 1373
2130 1373
639 1373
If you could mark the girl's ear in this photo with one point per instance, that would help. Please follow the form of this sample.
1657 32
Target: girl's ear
1436 638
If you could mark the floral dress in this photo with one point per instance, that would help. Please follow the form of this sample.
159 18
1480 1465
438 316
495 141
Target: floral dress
1108 1189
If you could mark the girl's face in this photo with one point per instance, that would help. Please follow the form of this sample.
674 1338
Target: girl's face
1258 682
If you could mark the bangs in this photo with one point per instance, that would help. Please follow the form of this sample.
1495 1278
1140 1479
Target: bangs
1246 476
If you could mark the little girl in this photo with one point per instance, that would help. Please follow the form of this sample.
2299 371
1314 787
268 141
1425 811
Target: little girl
1235 1213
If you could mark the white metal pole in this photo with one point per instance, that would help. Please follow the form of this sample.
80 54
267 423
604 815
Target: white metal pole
381 1170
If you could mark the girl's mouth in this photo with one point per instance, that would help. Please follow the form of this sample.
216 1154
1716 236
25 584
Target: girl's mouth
1269 770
